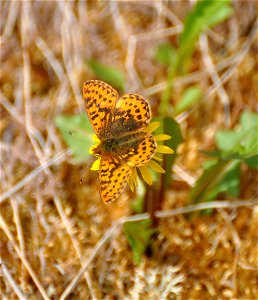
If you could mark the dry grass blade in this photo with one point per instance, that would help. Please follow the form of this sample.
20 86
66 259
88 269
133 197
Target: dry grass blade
25 262
86 264
11 19
203 206
13 284
17 221
237 244
236 61
209 65
55 64
57 159
74 241
132 46
141 217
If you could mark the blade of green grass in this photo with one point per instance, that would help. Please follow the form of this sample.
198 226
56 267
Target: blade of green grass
190 97
205 13
108 74
234 146
217 177
139 236
165 54
170 127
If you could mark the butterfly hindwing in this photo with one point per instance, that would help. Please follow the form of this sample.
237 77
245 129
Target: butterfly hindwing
139 151
113 175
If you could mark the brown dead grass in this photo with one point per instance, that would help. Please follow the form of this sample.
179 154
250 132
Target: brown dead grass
50 223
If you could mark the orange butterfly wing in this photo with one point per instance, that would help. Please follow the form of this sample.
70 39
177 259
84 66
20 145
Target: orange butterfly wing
100 99
113 175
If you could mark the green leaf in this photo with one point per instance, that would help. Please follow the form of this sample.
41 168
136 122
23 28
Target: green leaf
234 147
241 140
80 140
216 178
138 203
252 162
139 236
191 96
205 13
228 140
223 156
219 13
165 54
170 127
248 120
229 184
249 125
108 74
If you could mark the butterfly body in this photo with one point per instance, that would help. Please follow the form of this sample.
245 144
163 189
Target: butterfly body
121 126
120 145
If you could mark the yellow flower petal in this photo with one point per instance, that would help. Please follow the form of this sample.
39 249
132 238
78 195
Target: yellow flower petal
130 183
162 137
96 141
95 165
156 167
157 158
164 149
91 150
95 138
134 176
153 126
130 164
146 175
133 179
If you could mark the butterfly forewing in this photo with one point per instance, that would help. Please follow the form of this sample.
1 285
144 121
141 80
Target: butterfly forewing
133 111
100 99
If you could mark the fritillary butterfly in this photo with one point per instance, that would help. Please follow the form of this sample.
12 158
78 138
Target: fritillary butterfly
121 126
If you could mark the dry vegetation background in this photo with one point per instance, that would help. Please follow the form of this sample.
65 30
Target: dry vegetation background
52 226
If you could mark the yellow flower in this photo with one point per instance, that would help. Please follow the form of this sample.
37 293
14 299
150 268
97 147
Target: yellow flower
96 163
145 169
